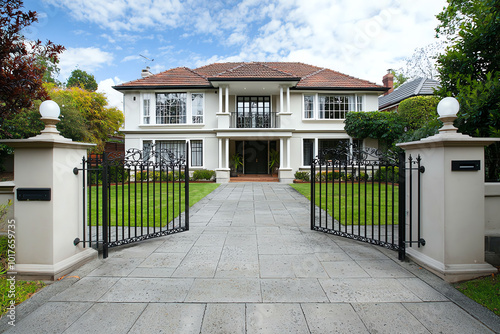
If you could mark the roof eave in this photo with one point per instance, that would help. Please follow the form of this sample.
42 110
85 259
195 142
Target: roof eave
120 88
254 79
374 89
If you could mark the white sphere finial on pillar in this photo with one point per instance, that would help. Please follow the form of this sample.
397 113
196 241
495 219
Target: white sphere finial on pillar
49 108
447 109
50 112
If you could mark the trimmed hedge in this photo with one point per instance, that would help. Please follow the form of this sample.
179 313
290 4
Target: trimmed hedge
390 174
203 174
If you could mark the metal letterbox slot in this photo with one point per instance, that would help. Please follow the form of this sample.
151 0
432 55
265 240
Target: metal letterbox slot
33 194
465 165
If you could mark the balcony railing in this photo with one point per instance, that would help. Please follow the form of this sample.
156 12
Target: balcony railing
254 120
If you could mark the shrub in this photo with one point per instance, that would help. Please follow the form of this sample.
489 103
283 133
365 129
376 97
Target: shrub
304 176
389 174
203 174
363 176
418 110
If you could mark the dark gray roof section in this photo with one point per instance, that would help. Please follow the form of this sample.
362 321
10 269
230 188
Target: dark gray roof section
415 87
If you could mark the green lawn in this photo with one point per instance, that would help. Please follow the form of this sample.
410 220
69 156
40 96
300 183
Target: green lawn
373 206
141 210
23 289
485 291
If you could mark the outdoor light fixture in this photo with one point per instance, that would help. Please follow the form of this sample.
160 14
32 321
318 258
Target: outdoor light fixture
49 108
50 112
447 109
448 106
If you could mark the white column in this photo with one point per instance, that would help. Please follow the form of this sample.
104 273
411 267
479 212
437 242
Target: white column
282 156
220 100
227 153
227 99
281 99
288 153
316 148
220 153
287 99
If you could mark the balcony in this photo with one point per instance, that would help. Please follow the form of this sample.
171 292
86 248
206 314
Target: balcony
251 120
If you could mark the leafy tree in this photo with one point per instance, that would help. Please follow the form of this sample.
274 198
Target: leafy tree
469 69
85 116
416 111
383 125
20 72
82 79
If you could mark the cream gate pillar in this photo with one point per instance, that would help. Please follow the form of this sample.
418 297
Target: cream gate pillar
48 210
452 200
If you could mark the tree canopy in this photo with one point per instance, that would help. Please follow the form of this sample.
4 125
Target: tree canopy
470 69
82 79
21 74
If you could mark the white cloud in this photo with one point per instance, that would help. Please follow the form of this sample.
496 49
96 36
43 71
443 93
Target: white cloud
115 98
86 59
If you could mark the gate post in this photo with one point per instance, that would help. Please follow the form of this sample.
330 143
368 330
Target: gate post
105 207
313 194
452 203
402 207
48 202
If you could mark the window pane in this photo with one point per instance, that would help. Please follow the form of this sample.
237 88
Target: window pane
308 152
333 149
176 147
146 150
146 105
308 106
171 108
197 107
196 153
335 106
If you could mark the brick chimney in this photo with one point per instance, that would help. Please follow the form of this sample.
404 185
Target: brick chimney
146 73
388 80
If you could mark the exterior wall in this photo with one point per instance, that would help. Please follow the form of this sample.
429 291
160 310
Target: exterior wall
492 209
291 129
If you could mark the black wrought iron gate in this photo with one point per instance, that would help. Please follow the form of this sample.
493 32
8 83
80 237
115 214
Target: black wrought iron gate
133 197
367 196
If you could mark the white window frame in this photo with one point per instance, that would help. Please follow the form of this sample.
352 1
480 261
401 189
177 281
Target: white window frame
151 96
152 106
316 112
202 153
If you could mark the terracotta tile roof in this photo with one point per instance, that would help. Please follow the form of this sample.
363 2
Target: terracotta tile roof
309 76
326 78
176 77
252 71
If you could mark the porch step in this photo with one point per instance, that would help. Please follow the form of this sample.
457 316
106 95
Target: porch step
254 178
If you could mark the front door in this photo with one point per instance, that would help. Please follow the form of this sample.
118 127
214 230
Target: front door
255 156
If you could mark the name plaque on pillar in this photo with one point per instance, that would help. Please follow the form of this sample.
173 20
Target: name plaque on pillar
465 165
33 194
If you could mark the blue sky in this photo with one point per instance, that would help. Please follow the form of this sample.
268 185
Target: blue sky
362 38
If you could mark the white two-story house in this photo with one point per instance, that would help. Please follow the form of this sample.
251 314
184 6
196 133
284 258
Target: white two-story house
249 109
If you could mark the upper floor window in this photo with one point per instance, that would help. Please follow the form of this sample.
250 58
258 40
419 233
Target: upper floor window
309 106
197 107
146 105
330 106
334 106
171 108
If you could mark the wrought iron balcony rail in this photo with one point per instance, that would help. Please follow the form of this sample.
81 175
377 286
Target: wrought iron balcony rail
254 120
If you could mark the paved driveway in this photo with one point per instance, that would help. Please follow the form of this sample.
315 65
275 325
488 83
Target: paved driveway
251 264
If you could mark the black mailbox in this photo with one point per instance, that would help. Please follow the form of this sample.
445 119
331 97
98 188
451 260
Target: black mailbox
465 165
33 194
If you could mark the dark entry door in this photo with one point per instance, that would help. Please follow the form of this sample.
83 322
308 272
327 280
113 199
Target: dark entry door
255 156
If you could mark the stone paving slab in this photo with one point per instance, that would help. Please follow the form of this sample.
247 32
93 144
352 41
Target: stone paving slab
251 264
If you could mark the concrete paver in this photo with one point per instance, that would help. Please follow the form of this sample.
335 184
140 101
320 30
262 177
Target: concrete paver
251 264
